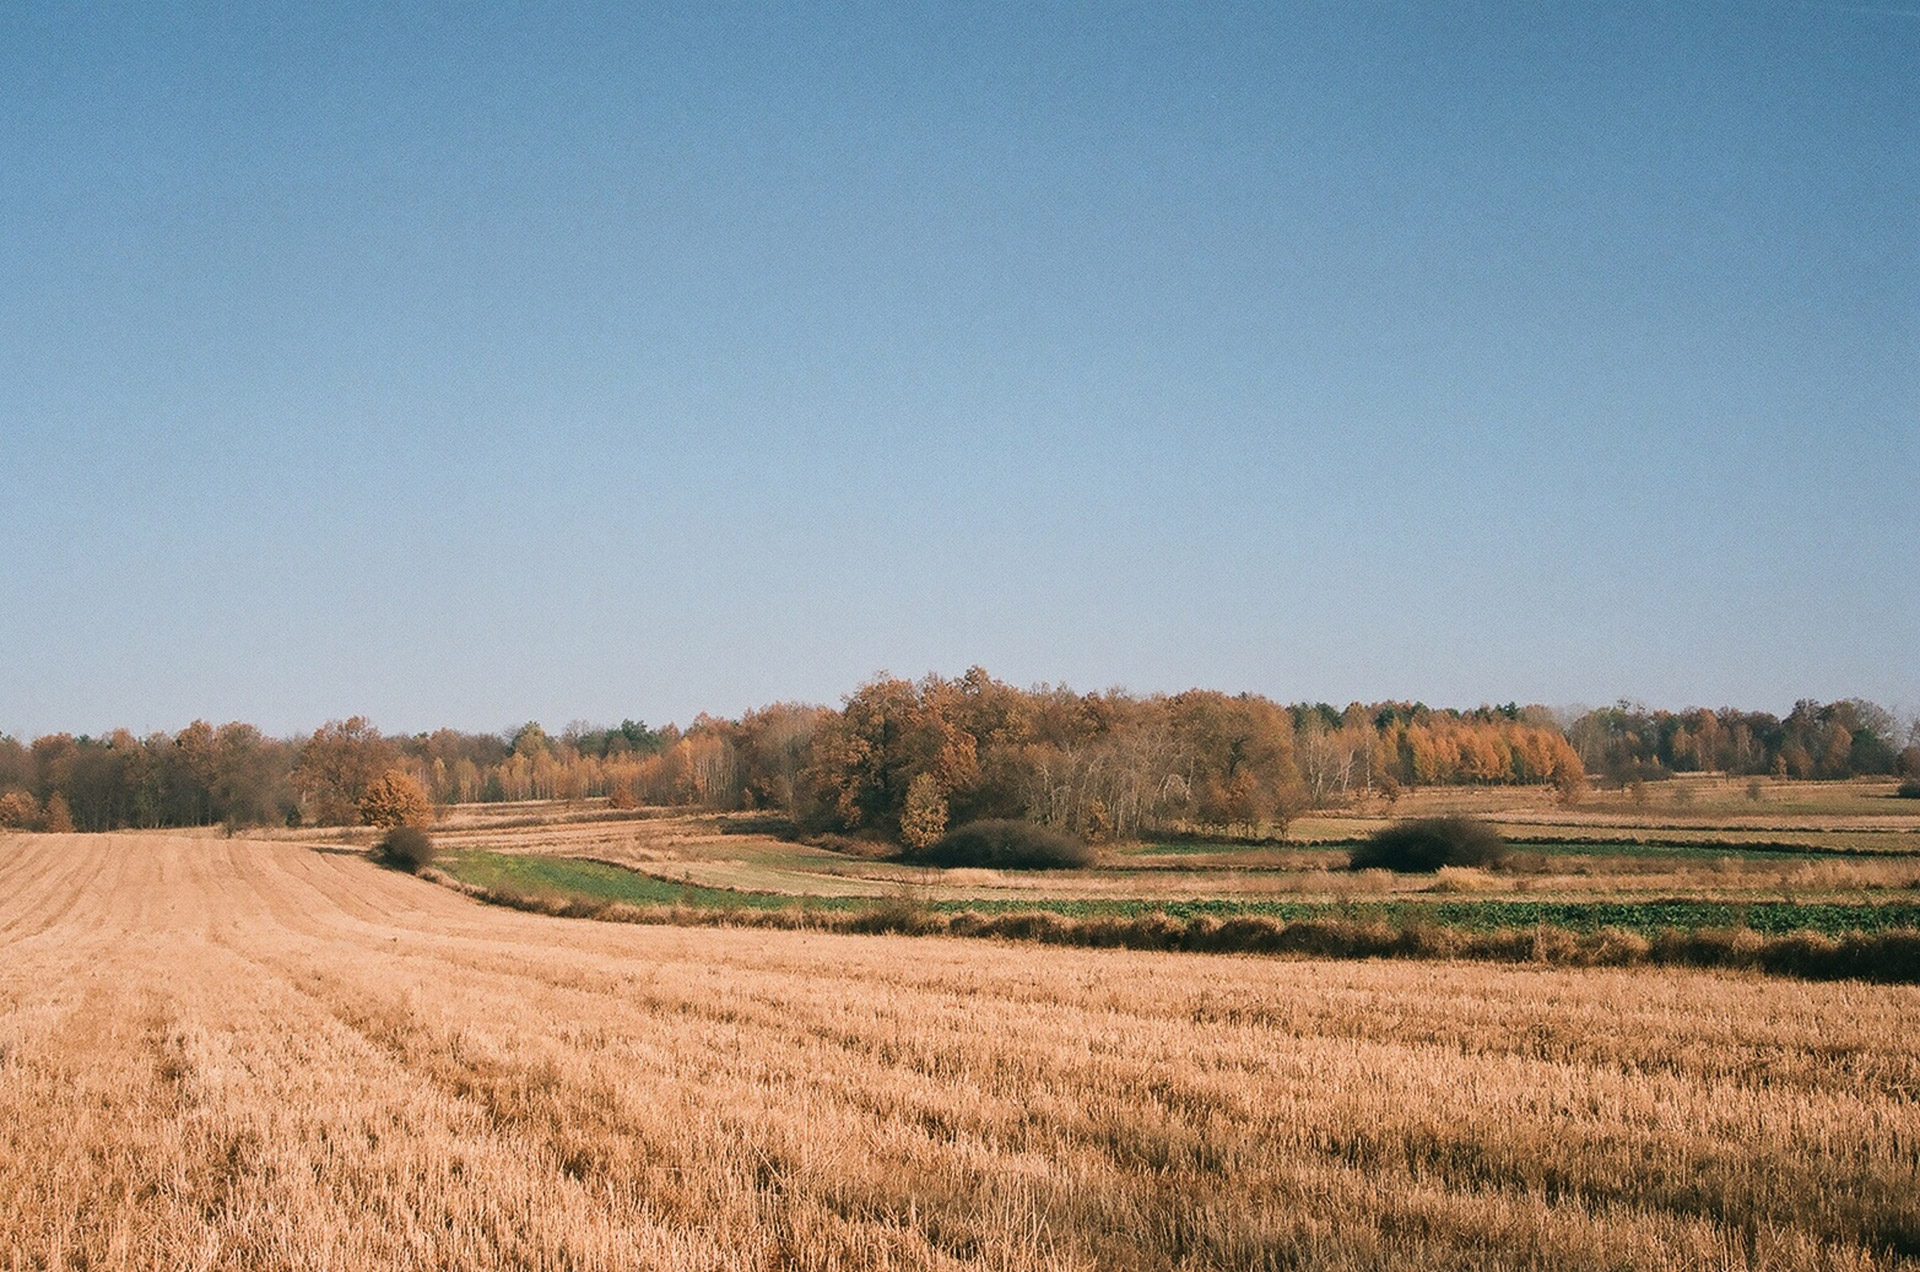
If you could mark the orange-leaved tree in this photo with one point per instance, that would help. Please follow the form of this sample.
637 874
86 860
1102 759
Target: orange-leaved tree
337 766
19 810
395 798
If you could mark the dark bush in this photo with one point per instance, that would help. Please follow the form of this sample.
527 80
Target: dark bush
405 848
1428 843
1909 789
1006 845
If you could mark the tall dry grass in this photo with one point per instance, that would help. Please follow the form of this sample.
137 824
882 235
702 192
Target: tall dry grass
221 1054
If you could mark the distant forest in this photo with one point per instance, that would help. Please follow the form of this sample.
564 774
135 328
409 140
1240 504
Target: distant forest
903 759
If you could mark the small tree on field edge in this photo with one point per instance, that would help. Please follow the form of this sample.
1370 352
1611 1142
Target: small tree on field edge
924 819
395 798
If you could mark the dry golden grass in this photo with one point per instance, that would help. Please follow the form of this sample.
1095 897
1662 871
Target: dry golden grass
233 1054
1861 814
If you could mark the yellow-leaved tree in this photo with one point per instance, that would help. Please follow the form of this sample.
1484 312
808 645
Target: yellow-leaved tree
924 818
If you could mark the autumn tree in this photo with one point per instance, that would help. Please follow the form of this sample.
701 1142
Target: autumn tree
774 744
1336 753
1236 754
1910 761
249 777
924 818
1289 802
891 731
336 766
865 757
194 772
459 764
712 763
19 810
395 798
16 765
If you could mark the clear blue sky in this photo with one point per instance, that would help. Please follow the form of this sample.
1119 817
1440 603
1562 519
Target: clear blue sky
472 365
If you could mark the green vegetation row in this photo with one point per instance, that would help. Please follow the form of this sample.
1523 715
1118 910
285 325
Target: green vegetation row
599 881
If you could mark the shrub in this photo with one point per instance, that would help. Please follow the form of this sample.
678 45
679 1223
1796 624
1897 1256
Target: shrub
1909 789
1005 845
405 848
1428 843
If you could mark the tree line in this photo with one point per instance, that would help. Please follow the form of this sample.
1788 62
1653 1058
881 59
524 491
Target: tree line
1848 738
905 760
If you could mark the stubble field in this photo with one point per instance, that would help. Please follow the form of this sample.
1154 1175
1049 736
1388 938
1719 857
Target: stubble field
248 1054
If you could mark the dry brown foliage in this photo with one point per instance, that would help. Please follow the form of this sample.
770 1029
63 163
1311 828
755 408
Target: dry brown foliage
230 1054
19 810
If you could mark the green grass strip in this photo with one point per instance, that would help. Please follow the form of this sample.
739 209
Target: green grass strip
601 881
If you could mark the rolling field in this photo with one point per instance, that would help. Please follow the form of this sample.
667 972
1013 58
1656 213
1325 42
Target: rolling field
1704 880
247 1054
1848 844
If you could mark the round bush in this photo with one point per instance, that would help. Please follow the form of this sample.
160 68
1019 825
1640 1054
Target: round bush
1005 845
406 848
1909 789
1425 844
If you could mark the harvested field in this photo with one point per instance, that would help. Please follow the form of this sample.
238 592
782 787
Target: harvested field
235 1054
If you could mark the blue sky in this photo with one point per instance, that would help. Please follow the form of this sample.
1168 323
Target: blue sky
469 365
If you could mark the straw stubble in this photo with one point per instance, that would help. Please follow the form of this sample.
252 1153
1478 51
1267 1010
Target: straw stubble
227 1054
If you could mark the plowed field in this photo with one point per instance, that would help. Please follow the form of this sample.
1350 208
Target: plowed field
233 1054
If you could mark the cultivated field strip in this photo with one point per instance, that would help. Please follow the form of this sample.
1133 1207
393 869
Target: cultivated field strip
230 1054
